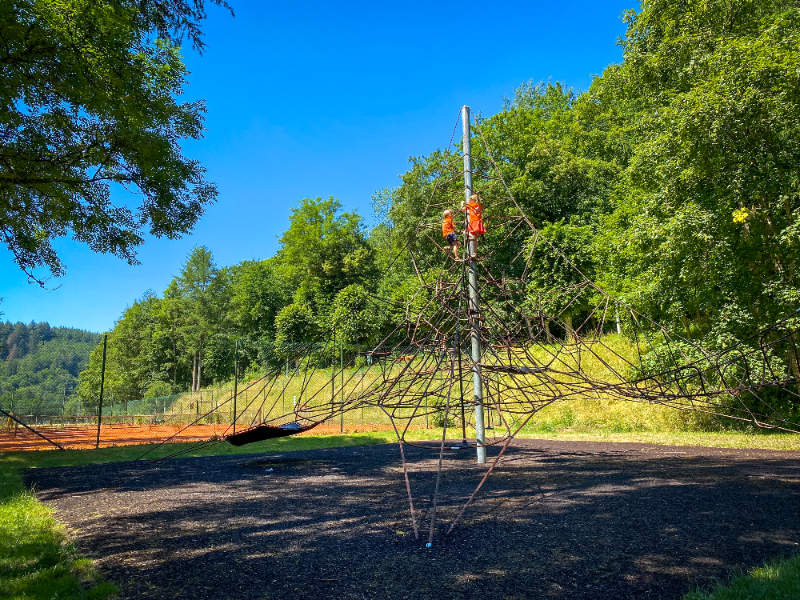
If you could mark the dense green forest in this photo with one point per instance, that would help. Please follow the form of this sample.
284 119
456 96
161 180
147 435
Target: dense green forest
673 182
39 366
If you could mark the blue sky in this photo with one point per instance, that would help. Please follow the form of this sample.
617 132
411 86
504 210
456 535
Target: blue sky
325 99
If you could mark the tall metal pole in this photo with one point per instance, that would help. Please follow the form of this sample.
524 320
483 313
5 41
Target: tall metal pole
474 304
102 385
235 382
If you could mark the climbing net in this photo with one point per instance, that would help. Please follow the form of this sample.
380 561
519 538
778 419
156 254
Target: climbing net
487 333
486 330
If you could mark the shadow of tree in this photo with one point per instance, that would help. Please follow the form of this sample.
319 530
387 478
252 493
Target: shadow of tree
549 523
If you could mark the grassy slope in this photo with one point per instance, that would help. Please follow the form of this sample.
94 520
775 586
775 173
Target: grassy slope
710 439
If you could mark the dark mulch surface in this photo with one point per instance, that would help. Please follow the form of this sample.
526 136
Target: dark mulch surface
556 520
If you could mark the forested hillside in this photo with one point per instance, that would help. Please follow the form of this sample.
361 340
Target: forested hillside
39 365
673 182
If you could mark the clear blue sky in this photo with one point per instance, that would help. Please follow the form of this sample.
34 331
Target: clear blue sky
317 99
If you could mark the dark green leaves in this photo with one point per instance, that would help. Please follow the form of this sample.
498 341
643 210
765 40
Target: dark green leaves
88 102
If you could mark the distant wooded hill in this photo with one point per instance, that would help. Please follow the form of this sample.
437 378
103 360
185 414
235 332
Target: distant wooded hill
39 365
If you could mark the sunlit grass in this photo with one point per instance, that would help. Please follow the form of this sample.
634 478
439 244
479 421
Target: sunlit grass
303 393
36 560
777 580
729 439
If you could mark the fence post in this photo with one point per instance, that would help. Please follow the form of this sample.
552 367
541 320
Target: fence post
102 384
333 371
341 367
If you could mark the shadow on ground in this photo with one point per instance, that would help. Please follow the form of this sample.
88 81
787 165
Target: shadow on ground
555 520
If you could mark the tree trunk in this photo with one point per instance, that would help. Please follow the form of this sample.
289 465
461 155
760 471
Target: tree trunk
199 369
794 368
530 329
567 319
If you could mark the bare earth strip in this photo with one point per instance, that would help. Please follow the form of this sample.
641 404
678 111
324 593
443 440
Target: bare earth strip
555 520
84 437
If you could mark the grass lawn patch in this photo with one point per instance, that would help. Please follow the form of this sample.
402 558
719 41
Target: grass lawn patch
777 580
36 560
760 439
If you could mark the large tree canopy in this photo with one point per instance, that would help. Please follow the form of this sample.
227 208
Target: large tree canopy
87 101
705 229
324 250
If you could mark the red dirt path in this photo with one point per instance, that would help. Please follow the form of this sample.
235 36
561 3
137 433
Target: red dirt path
83 437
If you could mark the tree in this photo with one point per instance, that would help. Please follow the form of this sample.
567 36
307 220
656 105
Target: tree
137 356
295 325
39 365
380 236
172 19
705 232
200 290
324 251
355 318
89 102
560 261
258 293
545 154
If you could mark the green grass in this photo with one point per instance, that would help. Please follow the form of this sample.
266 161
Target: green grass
709 439
36 559
777 580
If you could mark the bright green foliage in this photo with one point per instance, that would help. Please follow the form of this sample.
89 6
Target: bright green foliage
88 101
355 317
555 166
189 337
258 293
704 233
165 340
556 286
135 358
295 324
324 250
199 292
540 146
380 237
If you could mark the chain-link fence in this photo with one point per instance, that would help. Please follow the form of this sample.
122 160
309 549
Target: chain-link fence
51 396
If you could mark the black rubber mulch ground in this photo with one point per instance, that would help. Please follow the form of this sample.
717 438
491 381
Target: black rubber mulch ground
555 520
